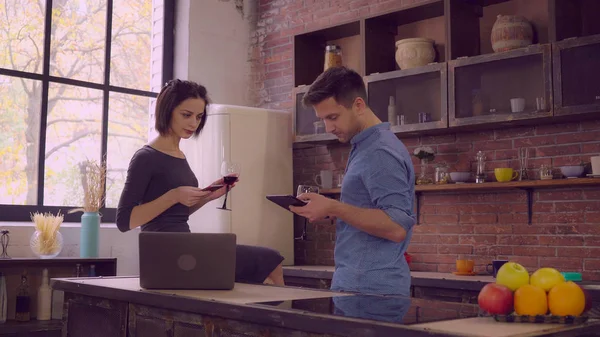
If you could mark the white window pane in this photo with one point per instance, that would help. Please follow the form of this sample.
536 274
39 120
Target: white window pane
20 103
78 39
127 132
73 136
136 50
22 35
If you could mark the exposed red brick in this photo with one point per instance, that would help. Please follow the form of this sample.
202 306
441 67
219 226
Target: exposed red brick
515 133
477 239
559 195
520 240
560 262
534 141
556 128
454 249
592 240
578 252
478 218
578 137
591 265
495 145
480 225
561 240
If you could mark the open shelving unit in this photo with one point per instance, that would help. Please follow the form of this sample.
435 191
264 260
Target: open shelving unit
468 85
527 185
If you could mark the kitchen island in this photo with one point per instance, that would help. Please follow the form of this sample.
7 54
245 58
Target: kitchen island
118 306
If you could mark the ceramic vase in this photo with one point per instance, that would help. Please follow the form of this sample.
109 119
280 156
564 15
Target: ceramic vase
511 32
415 52
89 237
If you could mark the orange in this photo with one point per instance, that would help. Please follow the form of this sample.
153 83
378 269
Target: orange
566 299
530 300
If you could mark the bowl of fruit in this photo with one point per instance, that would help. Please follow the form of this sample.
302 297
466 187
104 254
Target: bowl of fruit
545 296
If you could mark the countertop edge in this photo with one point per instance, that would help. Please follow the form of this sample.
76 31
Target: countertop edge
252 313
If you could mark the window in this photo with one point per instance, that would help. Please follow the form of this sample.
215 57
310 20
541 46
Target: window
78 79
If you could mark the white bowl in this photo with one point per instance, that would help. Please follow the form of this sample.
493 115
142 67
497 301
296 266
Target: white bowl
460 177
572 171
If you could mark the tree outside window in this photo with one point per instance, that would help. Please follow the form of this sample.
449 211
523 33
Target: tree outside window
82 92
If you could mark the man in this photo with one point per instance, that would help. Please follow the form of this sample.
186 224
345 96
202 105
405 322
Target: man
374 217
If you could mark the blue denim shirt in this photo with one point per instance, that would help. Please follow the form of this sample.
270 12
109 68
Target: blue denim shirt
379 174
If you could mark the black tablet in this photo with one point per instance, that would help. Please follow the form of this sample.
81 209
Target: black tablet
286 201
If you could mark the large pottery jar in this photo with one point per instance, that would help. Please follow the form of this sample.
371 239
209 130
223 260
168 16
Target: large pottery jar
511 32
415 52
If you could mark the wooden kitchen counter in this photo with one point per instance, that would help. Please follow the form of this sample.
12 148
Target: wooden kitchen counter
118 306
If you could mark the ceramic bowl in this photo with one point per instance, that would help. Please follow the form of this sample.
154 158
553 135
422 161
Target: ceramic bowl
460 177
572 171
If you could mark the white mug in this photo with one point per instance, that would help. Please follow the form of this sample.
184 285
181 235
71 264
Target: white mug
517 104
325 179
595 165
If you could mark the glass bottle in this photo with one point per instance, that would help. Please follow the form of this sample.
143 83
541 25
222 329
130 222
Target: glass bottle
23 307
3 299
480 175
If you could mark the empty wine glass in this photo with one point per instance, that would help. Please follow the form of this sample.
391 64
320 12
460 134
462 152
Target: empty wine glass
307 189
230 172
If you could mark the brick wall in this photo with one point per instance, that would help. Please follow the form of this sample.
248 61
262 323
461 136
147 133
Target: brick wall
565 231
566 225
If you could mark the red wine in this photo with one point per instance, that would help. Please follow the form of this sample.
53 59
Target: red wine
229 180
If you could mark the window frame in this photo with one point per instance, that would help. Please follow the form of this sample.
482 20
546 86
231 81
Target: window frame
22 213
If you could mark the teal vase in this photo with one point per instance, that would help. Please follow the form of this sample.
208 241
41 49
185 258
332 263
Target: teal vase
90 231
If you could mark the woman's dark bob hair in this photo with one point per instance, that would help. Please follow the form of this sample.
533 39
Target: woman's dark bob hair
171 95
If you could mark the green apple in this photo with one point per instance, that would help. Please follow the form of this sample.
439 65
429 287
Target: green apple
512 275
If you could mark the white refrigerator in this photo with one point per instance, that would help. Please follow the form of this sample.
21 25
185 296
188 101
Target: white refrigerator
261 141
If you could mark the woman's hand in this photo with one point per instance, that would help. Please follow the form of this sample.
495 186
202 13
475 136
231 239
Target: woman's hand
189 196
221 191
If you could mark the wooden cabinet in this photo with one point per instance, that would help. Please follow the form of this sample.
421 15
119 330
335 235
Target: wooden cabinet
13 268
418 96
577 76
501 87
469 84
305 121
309 50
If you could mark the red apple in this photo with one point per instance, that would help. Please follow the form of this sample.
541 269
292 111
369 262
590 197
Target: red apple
496 299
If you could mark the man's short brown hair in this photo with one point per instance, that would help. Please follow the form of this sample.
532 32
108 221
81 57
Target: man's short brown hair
171 95
341 83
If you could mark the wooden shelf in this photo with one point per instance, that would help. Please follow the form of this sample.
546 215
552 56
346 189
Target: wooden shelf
30 262
15 328
527 185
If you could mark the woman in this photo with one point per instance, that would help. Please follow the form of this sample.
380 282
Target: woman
161 190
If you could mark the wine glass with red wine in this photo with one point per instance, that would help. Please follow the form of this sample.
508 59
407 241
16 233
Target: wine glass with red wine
230 172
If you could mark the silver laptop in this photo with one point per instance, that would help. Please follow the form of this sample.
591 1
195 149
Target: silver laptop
187 260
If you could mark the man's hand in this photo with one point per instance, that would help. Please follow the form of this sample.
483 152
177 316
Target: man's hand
318 207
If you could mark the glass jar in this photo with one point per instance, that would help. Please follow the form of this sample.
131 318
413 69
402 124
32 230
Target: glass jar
333 56
545 172
441 175
319 127
44 246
